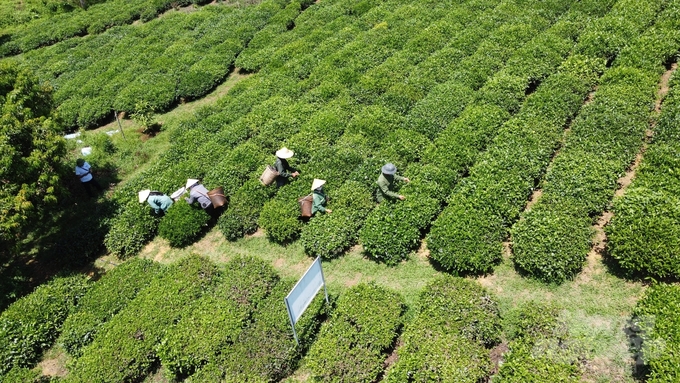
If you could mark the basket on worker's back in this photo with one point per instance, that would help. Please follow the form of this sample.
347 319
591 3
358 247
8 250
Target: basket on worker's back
306 205
269 175
217 197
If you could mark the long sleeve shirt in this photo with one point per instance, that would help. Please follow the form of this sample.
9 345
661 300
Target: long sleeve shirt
84 172
318 202
385 186
284 169
159 203
199 193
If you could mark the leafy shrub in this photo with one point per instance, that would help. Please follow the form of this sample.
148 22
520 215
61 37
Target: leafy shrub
352 344
31 324
654 317
265 350
124 348
540 348
183 224
112 293
329 235
441 105
130 230
280 217
243 212
445 342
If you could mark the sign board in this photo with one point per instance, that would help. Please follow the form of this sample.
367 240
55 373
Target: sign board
304 292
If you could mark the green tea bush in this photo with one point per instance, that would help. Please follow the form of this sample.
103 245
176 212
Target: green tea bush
352 344
112 293
265 350
541 349
31 324
215 320
131 229
124 350
25 375
446 341
654 317
183 224
243 212
329 235
280 217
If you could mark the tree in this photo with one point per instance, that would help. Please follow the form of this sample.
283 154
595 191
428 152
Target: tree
31 153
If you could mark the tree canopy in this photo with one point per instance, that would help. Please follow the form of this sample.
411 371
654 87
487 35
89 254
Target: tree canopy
31 152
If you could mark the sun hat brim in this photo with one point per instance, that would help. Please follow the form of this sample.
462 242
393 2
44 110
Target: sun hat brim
143 195
389 169
317 183
284 153
191 182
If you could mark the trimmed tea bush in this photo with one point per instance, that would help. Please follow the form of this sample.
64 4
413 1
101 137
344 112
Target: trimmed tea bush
131 229
446 341
31 324
112 293
125 348
183 224
352 345
655 316
540 348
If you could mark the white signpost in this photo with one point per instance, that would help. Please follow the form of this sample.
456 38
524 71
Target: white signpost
304 292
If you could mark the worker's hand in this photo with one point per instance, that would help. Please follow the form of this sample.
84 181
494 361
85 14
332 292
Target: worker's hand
407 180
188 200
329 211
401 197
295 174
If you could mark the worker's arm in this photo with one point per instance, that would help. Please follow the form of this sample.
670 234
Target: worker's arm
385 189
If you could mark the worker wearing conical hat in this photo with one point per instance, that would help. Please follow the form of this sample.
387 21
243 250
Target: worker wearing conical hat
282 166
318 197
157 200
386 183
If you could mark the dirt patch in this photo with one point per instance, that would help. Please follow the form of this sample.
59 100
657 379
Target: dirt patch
55 366
423 252
600 369
496 355
257 234
279 263
355 280
393 357
535 196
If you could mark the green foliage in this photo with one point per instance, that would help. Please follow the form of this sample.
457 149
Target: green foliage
243 212
124 349
445 342
540 347
329 235
654 317
112 293
215 321
130 230
265 350
352 345
31 152
183 224
31 324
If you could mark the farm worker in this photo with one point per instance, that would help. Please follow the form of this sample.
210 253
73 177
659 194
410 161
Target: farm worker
157 200
84 173
386 183
318 197
282 166
198 192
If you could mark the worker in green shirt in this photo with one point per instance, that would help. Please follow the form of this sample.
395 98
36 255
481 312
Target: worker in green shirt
386 183
318 197
157 200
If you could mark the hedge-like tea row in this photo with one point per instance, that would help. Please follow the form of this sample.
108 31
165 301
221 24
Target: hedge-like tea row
552 242
183 224
393 231
112 293
467 235
183 55
656 318
540 348
393 243
265 351
214 322
455 320
131 229
651 205
352 344
96 19
31 324
124 349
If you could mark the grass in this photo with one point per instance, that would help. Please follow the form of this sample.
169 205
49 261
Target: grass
596 306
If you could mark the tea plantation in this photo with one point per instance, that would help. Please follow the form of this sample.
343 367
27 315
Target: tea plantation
515 122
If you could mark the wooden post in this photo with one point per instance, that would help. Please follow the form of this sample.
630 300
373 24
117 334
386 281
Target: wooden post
120 127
